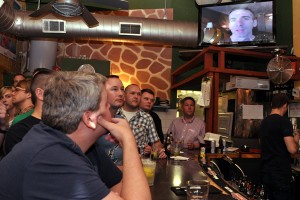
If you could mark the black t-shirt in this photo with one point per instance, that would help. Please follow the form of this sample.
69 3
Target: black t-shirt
17 131
157 123
274 154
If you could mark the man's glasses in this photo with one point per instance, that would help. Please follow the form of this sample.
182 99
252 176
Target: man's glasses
20 89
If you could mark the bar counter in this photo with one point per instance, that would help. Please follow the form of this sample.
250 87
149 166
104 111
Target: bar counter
171 172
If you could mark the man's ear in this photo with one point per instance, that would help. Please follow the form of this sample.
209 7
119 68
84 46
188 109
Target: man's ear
39 93
28 94
255 23
89 119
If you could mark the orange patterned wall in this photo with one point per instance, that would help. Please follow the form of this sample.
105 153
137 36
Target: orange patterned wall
148 66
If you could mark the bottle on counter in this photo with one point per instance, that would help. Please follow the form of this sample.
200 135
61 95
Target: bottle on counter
168 145
262 193
202 157
171 137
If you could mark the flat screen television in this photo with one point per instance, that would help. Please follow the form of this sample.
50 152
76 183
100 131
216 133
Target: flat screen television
247 23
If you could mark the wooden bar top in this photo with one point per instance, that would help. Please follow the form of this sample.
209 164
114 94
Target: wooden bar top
170 172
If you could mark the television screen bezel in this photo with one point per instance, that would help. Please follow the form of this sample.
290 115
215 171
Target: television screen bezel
237 44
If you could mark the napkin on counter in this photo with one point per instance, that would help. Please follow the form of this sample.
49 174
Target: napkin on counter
179 158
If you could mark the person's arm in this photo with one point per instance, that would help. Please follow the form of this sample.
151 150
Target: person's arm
153 137
134 182
292 143
117 188
161 151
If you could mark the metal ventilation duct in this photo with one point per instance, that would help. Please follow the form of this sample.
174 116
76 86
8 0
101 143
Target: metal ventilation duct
166 32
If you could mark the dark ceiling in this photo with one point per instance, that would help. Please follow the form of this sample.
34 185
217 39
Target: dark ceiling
90 4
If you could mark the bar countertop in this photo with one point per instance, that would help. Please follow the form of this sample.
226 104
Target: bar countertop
171 172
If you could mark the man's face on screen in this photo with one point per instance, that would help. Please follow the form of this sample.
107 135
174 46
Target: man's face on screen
241 23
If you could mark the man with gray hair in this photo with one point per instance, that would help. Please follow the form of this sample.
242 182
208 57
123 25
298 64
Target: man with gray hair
50 161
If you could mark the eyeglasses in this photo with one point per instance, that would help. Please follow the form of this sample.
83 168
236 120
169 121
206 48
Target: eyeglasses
20 89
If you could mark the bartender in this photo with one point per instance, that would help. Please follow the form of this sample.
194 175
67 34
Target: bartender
277 144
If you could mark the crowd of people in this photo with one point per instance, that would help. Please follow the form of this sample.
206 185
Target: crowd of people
82 123
70 135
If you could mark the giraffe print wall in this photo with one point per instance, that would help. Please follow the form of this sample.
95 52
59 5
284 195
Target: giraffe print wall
148 66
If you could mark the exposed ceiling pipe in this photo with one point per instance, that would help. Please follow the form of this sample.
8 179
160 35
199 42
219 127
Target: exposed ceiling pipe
7 16
157 31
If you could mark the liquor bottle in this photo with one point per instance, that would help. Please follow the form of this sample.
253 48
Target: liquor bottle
171 137
202 157
168 145
262 193
249 189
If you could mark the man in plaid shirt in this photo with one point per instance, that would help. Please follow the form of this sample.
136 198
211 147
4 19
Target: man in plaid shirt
140 122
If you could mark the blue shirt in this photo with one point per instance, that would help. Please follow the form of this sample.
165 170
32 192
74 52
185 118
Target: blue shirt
49 165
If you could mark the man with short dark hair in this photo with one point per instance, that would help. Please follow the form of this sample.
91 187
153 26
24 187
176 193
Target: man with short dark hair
188 129
17 78
17 131
22 99
146 104
277 145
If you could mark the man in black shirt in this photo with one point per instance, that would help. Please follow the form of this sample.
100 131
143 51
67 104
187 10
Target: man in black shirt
146 104
277 145
17 131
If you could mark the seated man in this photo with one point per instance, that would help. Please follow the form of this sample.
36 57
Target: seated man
146 104
75 114
188 129
141 122
115 98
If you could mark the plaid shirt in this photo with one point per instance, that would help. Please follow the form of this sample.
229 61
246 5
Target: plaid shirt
143 128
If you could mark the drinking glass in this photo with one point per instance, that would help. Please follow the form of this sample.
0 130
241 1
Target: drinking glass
149 169
197 189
